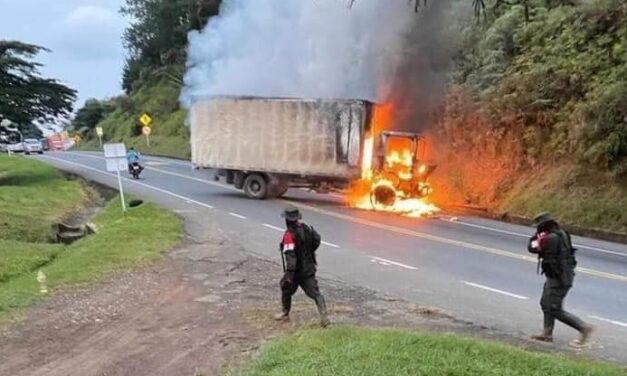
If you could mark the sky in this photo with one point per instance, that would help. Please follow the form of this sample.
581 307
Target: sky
85 37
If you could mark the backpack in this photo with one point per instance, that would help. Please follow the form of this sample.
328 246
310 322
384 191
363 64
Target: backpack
567 245
313 238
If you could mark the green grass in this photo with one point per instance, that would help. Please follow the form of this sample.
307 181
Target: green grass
349 351
32 197
17 258
120 244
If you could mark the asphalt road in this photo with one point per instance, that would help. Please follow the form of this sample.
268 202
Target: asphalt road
474 269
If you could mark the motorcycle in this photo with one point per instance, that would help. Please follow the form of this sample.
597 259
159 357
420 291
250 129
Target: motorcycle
135 169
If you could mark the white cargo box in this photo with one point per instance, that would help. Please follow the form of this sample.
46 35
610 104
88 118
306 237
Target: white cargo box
289 136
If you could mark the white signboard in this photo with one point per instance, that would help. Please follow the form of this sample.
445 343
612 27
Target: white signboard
115 155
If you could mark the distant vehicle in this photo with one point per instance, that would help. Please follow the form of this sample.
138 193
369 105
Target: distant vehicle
15 148
3 147
32 145
44 144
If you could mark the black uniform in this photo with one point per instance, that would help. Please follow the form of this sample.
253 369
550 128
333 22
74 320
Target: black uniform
558 263
300 269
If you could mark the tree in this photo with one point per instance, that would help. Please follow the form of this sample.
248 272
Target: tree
90 115
25 96
157 36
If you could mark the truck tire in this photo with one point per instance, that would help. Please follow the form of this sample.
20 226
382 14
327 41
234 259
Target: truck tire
230 177
256 186
238 180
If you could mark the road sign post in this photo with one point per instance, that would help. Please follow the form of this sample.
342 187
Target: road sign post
115 157
145 120
147 131
100 133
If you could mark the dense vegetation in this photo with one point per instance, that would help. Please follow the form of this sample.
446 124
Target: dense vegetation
156 42
535 118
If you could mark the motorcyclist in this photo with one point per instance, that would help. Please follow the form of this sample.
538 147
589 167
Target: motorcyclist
132 157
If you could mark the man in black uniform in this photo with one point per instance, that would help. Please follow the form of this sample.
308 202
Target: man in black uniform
556 255
298 249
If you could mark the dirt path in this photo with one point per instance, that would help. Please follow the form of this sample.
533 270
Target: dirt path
209 302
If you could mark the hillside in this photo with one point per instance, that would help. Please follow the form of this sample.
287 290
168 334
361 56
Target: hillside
535 118
159 98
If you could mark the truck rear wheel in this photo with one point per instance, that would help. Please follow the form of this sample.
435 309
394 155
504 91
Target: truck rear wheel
256 186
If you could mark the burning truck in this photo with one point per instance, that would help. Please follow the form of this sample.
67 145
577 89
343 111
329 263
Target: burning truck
264 146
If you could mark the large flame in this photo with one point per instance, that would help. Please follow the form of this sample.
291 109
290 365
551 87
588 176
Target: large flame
398 160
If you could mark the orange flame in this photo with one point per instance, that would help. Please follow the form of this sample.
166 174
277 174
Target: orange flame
399 160
366 163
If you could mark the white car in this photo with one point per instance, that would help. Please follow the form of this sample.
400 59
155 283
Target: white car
32 145
15 148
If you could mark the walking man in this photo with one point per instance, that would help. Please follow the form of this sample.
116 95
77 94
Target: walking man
298 252
556 256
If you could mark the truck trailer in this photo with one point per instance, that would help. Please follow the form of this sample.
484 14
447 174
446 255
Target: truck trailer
266 145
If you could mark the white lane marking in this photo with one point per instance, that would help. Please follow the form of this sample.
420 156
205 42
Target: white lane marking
380 262
386 261
615 322
519 234
186 199
494 290
205 181
237 215
273 227
282 230
98 155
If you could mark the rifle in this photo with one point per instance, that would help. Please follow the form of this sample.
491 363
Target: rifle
282 257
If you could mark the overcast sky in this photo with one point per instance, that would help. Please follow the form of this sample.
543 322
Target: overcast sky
84 36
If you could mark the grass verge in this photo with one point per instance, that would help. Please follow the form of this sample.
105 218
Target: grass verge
120 244
349 351
32 197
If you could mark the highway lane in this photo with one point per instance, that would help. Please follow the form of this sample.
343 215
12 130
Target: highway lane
475 269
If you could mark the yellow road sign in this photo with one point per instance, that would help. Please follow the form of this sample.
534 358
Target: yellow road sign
146 131
145 120
99 131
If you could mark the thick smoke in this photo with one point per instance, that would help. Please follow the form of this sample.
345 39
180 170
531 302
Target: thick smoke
376 50
420 81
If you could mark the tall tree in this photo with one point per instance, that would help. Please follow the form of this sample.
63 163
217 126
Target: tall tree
90 115
157 35
25 96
